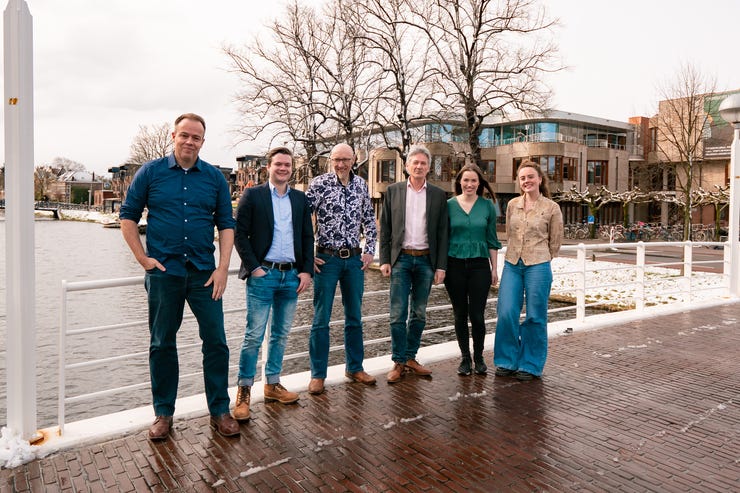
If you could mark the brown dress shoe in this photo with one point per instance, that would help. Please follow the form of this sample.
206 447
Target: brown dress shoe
225 425
276 392
160 429
396 373
316 386
415 367
361 376
241 409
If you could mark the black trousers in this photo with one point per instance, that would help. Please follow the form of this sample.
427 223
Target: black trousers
468 282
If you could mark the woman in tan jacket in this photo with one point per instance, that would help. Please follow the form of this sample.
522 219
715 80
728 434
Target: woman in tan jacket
534 227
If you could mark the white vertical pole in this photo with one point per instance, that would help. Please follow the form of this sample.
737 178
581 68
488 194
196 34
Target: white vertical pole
19 227
734 215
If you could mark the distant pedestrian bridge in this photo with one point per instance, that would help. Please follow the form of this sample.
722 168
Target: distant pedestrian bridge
55 207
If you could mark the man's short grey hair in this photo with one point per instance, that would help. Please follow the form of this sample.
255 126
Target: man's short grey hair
418 150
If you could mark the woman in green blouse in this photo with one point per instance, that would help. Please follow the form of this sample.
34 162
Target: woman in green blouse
472 262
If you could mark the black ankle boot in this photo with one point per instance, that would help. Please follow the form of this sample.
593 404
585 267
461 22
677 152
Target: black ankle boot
464 368
480 366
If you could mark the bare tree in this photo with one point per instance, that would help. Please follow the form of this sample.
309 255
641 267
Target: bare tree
489 57
718 198
400 51
348 84
681 122
43 178
594 199
279 98
63 164
152 142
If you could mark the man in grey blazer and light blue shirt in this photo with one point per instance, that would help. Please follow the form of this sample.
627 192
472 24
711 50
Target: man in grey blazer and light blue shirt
413 251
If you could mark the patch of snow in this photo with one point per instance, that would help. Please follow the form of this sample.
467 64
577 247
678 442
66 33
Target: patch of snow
14 450
256 469
706 414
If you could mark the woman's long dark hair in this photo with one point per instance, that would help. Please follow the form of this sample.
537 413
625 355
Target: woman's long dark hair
483 184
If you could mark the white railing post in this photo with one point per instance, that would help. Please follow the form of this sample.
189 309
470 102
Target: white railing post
62 357
640 273
726 268
581 283
20 263
688 253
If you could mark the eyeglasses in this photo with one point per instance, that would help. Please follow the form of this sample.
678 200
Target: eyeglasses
341 160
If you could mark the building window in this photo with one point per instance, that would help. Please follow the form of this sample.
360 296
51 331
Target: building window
489 170
653 139
596 172
570 169
437 132
386 170
515 168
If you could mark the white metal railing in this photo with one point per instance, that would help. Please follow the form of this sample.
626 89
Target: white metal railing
580 288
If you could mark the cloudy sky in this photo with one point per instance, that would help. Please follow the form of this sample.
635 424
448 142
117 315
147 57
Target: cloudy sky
102 68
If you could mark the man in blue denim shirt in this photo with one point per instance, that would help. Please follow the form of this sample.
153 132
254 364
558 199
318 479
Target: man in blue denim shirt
185 198
274 238
344 212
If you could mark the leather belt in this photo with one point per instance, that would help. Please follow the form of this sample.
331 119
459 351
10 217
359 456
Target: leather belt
415 253
341 253
281 266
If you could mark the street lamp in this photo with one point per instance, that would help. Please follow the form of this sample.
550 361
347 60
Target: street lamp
730 112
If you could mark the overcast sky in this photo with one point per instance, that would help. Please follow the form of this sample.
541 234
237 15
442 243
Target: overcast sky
102 68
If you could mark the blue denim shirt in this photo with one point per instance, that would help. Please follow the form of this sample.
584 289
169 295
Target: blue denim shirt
282 249
183 207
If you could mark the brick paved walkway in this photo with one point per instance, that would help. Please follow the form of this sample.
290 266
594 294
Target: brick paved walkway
649 406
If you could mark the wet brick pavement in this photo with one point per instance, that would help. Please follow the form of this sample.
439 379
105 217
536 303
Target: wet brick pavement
648 406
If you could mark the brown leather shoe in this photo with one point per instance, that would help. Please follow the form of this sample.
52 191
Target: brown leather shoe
160 429
316 386
225 425
241 409
396 373
415 367
361 376
276 392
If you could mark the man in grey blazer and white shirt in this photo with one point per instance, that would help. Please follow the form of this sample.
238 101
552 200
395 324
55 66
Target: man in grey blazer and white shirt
413 251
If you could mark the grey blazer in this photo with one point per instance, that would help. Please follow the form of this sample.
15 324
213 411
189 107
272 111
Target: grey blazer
393 224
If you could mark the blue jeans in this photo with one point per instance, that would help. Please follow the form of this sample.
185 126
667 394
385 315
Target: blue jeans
351 278
522 346
275 291
411 280
167 295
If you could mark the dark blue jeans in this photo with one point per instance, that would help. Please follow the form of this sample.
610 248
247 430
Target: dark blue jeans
167 296
411 282
351 278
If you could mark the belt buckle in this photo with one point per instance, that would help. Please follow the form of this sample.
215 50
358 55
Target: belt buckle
344 253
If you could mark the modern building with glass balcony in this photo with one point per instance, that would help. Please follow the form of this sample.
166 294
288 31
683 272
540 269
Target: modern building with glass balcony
572 149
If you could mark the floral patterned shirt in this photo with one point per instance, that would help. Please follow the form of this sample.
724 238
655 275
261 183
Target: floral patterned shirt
343 214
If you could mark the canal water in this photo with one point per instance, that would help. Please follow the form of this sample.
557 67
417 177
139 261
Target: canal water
79 251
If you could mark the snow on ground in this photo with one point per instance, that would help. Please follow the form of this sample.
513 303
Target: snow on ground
614 284
89 216
14 451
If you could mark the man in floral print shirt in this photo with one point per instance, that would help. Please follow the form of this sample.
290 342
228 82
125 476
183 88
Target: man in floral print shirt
341 203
